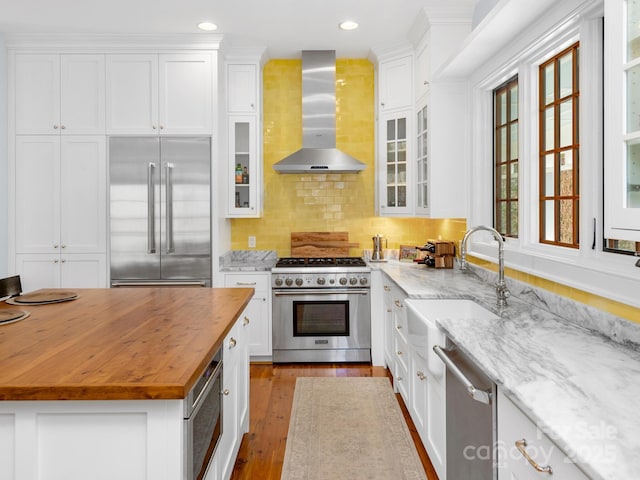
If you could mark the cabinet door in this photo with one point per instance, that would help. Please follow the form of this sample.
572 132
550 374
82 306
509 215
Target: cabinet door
394 167
435 439
83 271
418 390
395 86
132 94
37 200
83 195
258 311
37 94
243 171
242 88
514 427
230 403
186 94
82 94
38 271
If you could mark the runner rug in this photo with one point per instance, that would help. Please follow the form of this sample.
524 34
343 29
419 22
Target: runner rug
348 428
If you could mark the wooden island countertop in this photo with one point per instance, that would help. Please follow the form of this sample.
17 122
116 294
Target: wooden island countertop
116 343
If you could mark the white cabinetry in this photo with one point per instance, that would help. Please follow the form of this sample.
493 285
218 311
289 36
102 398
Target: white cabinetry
244 164
258 311
622 121
160 94
235 401
59 94
518 437
395 169
60 210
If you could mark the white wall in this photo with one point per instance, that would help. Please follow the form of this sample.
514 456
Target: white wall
4 164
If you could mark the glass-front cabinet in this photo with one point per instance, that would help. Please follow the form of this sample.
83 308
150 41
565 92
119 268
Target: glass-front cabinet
622 120
422 160
396 168
243 167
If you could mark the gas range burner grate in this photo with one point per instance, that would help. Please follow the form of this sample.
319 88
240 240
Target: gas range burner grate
321 262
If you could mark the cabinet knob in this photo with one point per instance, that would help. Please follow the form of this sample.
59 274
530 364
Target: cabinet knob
232 342
55 127
399 352
382 104
425 82
63 261
226 391
421 375
56 261
63 246
55 245
161 127
154 127
398 304
253 106
62 127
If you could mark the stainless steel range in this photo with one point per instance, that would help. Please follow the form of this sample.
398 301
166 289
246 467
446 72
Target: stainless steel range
321 310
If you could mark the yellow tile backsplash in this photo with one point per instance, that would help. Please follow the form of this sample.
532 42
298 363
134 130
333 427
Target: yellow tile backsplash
326 202
345 202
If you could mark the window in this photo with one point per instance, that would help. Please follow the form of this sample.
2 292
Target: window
505 143
559 146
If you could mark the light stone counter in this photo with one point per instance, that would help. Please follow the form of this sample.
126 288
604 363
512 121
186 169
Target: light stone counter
248 261
575 372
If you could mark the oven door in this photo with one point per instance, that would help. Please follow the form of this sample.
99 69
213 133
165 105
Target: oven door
321 325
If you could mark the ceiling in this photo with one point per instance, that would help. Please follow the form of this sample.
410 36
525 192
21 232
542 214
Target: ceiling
283 27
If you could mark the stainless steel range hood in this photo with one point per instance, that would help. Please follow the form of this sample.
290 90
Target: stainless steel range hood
319 153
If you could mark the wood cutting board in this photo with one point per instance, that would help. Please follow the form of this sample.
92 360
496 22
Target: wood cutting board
321 244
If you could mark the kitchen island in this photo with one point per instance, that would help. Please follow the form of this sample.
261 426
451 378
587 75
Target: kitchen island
94 387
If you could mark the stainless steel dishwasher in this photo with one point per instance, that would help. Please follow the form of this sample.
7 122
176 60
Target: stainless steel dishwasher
471 417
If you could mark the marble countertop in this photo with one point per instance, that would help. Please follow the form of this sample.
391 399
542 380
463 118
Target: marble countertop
248 260
577 378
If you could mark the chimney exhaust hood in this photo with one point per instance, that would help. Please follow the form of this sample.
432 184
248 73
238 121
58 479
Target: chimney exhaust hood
319 153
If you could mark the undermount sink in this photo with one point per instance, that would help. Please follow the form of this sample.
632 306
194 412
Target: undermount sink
423 332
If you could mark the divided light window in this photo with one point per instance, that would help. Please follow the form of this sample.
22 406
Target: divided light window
559 145
506 157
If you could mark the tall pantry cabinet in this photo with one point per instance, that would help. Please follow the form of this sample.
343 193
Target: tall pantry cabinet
58 155
66 94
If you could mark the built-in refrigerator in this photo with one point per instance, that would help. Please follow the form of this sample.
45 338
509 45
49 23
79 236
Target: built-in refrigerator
160 211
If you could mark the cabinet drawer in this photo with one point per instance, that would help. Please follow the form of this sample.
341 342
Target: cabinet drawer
238 280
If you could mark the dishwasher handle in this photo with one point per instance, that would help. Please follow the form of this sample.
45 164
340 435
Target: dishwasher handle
477 394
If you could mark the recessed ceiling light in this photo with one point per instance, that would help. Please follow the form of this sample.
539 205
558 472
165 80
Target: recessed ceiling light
348 25
207 26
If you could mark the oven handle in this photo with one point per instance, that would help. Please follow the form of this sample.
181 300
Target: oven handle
319 291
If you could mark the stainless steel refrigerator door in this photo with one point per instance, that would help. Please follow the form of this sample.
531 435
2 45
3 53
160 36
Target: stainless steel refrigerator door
185 215
134 178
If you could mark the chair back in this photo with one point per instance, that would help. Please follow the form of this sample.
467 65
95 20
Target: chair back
10 286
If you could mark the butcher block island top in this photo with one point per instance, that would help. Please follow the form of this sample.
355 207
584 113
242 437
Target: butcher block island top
116 343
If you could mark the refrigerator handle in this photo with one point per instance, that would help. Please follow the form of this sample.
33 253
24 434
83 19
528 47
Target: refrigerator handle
151 209
169 208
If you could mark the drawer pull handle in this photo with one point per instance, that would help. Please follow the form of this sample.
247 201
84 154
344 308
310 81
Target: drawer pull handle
245 321
232 342
399 327
399 352
521 445
421 375
398 304
246 283
386 288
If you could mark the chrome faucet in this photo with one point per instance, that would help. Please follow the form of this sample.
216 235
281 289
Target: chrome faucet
502 291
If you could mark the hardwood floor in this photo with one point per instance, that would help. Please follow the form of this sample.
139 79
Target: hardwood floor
262 450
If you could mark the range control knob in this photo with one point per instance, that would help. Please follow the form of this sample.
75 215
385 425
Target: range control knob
343 281
278 282
289 282
320 281
353 281
363 280
298 281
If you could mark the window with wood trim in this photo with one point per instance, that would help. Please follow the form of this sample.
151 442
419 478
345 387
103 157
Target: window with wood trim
505 146
559 148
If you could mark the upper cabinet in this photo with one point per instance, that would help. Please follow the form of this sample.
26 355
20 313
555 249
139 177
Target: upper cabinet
59 94
242 88
622 120
395 163
243 120
160 94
